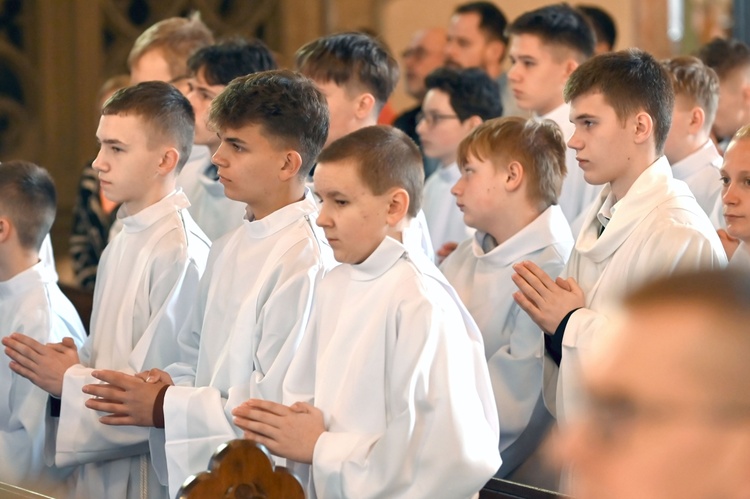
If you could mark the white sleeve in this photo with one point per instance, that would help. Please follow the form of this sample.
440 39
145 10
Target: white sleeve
437 441
81 437
198 419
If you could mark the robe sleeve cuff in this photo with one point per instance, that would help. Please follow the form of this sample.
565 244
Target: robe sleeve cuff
158 411
553 343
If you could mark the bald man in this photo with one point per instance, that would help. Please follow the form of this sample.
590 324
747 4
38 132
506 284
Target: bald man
668 411
424 54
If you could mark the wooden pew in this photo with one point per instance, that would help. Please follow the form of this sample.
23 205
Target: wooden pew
242 469
503 489
8 491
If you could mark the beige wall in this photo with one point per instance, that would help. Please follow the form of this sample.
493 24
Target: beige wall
400 18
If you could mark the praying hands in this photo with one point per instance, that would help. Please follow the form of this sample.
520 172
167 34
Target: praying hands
546 301
43 365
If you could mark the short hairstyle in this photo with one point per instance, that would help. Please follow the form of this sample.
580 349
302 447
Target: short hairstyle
725 56
225 61
630 81
355 61
29 199
603 24
538 146
386 157
164 110
471 91
558 25
177 38
492 21
696 81
286 105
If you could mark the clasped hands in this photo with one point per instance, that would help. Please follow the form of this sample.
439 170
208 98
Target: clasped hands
547 301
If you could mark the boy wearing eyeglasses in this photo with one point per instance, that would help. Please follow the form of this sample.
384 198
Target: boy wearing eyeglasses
457 101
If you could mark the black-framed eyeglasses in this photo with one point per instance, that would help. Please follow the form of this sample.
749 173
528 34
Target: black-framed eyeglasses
433 118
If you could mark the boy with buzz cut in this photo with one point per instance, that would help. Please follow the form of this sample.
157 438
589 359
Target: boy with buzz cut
145 288
388 395
643 224
31 304
357 75
512 170
689 148
735 195
212 68
731 61
546 46
457 101
255 298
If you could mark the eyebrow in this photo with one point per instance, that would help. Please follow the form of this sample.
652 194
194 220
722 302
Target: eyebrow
738 174
110 141
583 116
330 194
234 140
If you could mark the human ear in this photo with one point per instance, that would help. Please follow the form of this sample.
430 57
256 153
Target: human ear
514 176
168 161
472 122
495 50
365 104
398 206
570 66
697 119
643 127
5 226
292 164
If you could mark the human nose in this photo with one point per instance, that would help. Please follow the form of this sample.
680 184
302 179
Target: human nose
514 73
98 164
218 158
729 196
575 141
324 219
458 187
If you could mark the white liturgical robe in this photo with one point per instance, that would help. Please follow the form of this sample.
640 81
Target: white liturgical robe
253 306
214 213
32 304
147 284
700 171
656 229
741 258
396 364
512 343
577 194
444 220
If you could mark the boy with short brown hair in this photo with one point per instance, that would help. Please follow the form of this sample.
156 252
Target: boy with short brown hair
31 304
512 171
146 285
388 395
689 148
643 224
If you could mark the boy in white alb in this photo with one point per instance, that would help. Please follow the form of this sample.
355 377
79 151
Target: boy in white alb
644 224
388 395
689 148
457 101
735 195
546 46
357 75
147 284
30 304
212 69
512 171
255 298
